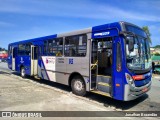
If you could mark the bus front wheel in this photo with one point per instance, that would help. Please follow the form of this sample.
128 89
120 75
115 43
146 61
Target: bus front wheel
78 86
23 74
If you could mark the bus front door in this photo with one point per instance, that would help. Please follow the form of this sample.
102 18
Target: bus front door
100 69
34 60
13 58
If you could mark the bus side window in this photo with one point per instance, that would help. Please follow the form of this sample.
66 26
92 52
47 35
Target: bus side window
119 57
45 48
58 46
13 53
35 53
39 52
53 47
21 49
28 49
76 45
50 47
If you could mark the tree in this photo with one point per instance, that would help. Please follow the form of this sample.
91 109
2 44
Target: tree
2 49
157 46
157 54
146 29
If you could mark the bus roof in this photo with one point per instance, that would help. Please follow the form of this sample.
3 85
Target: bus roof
35 39
116 25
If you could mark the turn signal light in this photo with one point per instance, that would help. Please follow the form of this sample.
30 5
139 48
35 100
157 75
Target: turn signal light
138 77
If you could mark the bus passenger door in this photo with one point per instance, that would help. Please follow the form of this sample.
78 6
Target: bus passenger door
13 58
34 60
94 63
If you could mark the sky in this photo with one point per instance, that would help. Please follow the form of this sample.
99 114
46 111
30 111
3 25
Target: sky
26 19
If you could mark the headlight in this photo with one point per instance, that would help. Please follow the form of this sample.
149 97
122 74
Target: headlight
129 79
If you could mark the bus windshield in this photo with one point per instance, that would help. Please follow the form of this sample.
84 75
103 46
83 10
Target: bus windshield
138 58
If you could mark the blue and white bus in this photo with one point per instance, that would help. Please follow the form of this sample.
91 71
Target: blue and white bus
112 60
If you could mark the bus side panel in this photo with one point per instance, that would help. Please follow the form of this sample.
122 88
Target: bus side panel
54 69
28 65
79 65
61 75
48 68
44 74
39 67
23 61
117 76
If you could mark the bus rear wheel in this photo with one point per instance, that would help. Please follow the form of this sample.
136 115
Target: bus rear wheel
78 86
23 74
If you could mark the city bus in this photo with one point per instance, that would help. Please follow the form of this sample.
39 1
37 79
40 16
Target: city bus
112 60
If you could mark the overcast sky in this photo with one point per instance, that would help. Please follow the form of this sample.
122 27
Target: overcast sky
25 19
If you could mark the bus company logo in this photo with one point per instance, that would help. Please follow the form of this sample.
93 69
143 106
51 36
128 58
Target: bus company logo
50 60
102 34
22 61
70 61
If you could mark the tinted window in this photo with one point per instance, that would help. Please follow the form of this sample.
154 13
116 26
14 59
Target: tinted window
45 48
35 53
53 47
21 49
24 49
14 52
28 49
50 49
58 46
76 45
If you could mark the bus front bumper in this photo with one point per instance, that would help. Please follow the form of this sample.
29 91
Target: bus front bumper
131 93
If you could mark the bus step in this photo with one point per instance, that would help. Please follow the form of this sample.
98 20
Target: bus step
101 93
104 87
105 79
93 84
105 76
103 84
36 77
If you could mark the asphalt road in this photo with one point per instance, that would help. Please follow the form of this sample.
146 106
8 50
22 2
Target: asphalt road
17 93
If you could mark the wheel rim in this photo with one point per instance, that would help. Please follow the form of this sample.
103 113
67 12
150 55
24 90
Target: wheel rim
22 72
78 85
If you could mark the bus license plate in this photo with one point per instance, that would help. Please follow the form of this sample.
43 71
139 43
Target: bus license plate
144 89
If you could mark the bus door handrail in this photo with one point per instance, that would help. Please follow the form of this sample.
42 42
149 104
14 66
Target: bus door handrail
93 65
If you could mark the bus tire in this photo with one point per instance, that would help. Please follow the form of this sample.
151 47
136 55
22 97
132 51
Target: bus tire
78 86
23 74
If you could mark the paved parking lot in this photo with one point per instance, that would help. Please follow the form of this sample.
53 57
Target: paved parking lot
24 94
18 94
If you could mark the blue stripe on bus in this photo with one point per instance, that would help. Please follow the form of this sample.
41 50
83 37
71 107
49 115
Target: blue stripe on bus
45 76
139 83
